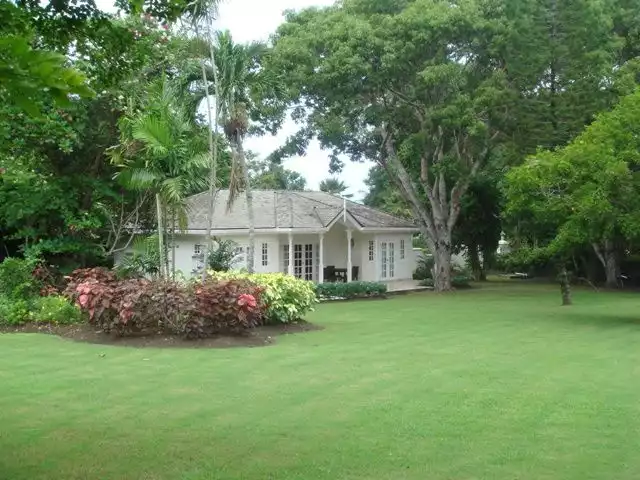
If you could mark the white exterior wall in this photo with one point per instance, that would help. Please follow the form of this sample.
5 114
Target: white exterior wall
185 245
404 267
334 252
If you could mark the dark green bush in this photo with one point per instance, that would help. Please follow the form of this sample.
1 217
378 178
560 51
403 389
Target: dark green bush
17 280
458 280
351 290
424 268
461 280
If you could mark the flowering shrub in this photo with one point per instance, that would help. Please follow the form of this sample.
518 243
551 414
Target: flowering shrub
146 306
55 309
286 298
225 306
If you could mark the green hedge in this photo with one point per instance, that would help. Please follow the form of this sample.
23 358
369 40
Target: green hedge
351 290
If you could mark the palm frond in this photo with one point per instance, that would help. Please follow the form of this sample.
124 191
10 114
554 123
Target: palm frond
139 178
153 133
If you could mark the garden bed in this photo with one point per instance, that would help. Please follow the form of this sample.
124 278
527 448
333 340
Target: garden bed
257 337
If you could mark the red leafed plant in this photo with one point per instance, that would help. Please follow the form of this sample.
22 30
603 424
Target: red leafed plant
151 306
228 306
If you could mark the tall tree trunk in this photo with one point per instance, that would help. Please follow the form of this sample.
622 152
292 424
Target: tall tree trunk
609 260
442 268
565 287
161 270
213 145
249 197
173 244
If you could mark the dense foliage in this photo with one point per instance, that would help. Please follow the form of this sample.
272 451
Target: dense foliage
444 97
340 290
142 306
28 294
222 255
585 195
287 299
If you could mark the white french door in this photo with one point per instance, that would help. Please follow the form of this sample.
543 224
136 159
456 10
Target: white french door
387 260
303 260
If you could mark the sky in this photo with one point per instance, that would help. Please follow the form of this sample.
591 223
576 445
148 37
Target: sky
250 20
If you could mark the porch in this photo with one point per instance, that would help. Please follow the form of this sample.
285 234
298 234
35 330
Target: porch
335 255
343 253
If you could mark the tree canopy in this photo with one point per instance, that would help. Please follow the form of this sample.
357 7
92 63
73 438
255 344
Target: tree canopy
587 193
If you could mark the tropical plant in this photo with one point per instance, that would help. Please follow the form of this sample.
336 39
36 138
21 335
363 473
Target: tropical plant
143 259
162 151
204 12
287 299
222 256
242 83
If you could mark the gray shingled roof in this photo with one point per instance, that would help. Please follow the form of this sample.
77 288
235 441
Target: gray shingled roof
273 209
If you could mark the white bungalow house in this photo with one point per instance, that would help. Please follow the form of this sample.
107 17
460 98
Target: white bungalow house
312 235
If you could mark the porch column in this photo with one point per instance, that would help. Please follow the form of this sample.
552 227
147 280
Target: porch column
290 268
349 272
321 260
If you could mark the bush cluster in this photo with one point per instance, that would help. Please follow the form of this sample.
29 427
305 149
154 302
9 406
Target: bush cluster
142 306
28 295
351 290
287 299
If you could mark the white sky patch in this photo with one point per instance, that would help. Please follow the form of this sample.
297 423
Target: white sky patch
255 20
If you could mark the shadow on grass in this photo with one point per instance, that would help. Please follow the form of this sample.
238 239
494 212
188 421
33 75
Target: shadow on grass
601 320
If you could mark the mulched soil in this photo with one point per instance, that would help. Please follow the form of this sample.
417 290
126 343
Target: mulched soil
258 337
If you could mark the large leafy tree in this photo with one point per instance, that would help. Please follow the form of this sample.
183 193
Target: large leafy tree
63 149
272 176
586 194
409 84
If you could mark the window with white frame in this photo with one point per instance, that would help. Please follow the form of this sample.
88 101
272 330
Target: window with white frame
372 250
197 249
401 249
265 254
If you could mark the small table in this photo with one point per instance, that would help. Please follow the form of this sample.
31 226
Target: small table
341 274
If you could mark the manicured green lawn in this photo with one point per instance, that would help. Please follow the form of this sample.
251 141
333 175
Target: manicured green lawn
498 383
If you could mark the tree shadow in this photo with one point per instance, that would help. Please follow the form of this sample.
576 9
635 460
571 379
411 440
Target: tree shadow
604 321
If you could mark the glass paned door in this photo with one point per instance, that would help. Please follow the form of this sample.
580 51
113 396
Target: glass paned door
297 260
308 261
303 260
387 260
383 260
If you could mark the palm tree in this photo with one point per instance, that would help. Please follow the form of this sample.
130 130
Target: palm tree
239 78
206 11
333 186
163 151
